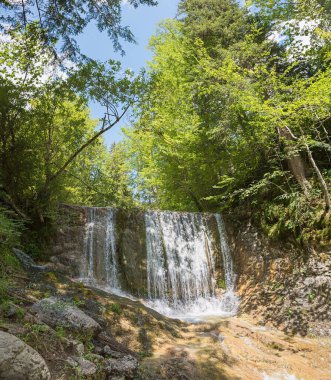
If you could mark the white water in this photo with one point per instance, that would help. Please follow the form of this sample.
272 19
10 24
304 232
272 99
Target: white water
100 264
181 270
279 376
110 263
181 267
88 267
230 300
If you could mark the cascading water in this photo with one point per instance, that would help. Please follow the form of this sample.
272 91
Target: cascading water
181 267
229 300
88 266
111 266
100 265
180 252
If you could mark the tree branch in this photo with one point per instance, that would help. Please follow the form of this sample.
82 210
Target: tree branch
89 142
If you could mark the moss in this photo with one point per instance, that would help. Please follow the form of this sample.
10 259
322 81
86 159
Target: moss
4 288
9 306
51 276
221 283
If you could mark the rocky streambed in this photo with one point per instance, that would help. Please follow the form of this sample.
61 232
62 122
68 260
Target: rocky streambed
54 328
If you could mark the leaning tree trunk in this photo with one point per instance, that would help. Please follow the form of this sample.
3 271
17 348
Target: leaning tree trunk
320 179
294 160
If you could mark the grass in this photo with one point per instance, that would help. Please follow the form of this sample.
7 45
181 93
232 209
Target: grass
115 308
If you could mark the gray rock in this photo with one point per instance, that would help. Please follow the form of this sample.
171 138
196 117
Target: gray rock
55 312
95 357
125 367
82 366
28 263
76 347
18 361
114 354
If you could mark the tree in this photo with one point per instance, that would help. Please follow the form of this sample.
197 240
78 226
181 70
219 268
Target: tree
61 21
46 130
241 125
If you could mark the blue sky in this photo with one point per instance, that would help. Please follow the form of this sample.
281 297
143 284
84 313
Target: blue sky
143 23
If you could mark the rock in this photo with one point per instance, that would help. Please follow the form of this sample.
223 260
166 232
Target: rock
55 312
82 366
28 263
114 354
11 311
76 347
95 357
125 367
18 361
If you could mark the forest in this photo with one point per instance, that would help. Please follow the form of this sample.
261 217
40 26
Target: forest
231 115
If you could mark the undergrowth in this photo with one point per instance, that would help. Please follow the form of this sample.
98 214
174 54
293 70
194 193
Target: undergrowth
286 213
10 231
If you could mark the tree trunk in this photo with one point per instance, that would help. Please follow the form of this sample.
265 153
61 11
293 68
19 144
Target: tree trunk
320 179
294 160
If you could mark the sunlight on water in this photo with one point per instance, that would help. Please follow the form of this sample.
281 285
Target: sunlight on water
279 376
181 272
198 310
181 267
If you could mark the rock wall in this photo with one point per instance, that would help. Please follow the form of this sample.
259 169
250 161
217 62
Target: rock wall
282 285
67 243
279 284
131 239
68 247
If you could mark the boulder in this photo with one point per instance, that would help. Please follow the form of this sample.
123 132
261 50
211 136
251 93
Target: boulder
83 367
18 361
55 312
114 354
125 367
28 263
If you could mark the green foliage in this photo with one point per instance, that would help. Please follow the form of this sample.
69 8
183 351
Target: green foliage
234 119
62 21
4 286
60 332
221 283
115 308
10 231
51 150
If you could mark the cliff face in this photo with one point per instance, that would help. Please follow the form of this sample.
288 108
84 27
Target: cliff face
282 285
277 284
84 243
68 245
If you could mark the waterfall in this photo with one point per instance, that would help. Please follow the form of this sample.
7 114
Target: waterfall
88 271
181 251
157 285
230 300
110 262
100 265
226 254
181 265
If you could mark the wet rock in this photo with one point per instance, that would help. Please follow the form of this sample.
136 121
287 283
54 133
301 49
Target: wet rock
18 361
125 367
28 263
55 312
